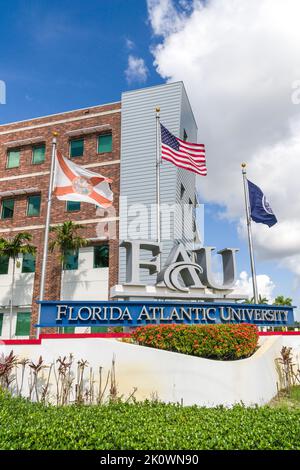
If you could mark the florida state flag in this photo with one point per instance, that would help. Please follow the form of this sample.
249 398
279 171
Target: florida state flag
74 183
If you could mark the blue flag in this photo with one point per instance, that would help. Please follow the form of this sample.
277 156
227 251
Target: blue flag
260 208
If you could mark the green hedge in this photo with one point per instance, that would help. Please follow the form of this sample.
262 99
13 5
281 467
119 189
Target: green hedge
223 342
145 426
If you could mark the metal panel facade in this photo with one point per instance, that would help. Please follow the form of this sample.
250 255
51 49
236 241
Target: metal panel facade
138 163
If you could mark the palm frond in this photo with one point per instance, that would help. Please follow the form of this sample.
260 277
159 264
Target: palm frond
19 244
66 238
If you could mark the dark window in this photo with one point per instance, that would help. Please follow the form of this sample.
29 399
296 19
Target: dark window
23 324
182 191
185 136
67 329
7 211
71 260
76 148
101 256
105 143
1 323
33 205
73 206
38 154
28 265
13 158
4 261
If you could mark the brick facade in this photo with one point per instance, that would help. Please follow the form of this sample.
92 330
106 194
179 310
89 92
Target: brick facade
108 116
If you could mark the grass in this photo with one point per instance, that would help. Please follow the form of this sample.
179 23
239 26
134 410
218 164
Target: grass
286 399
144 426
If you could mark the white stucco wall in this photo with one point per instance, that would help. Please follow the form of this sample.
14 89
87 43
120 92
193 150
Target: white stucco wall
86 282
172 377
23 287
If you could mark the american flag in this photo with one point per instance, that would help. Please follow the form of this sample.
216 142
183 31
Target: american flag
186 155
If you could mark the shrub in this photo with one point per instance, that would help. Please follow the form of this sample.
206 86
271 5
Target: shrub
156 426
224 342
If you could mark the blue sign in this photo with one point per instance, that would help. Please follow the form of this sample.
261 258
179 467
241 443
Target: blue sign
137 313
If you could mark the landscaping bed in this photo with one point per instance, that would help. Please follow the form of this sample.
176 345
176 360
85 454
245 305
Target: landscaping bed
222 342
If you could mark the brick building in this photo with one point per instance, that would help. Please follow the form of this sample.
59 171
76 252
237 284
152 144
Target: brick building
116 140
91 137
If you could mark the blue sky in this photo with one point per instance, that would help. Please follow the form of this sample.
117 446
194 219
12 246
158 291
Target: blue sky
63 55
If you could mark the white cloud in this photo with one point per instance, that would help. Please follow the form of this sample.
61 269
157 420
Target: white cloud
137 70
164 17
129 44
240 61
265 285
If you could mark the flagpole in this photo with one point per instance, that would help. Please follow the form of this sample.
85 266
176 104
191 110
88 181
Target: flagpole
158 157
250 240
47 225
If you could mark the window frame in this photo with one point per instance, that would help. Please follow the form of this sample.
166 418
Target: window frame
32 157
13 209
67 330
7 158
77 266
7 257
74 202
27 209
98 142
98 329
100 246
16 331
34 260
70 147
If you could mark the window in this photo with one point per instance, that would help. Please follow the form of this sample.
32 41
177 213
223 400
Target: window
101 256
1 323
23 324
76 148
99 329
28 265
7 211
71 260
73 206
38 154
104 143
33 205
67 329
185 136
182 191
4 260
13 159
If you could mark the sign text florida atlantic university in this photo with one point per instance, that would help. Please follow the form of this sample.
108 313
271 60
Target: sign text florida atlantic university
134 313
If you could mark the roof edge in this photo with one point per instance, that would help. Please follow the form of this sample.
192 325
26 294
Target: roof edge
59 114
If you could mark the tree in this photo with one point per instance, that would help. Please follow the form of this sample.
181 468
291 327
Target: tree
12 248
261 300
281 300
66 239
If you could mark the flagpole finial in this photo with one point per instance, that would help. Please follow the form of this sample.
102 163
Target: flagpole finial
157 109
55 133
243 165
